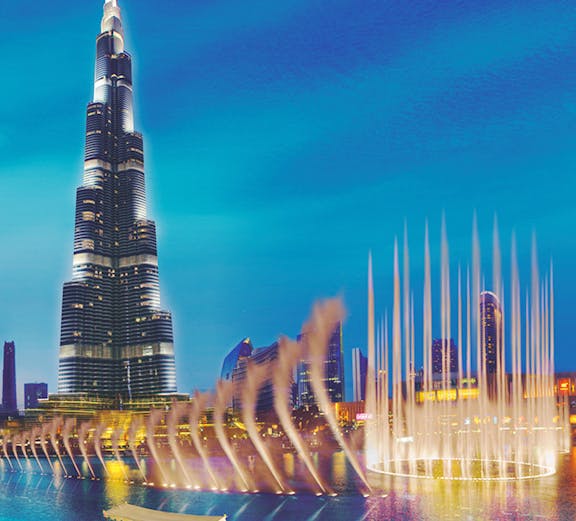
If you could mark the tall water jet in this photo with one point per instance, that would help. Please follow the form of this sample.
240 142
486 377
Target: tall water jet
198 405
82 434
465 422
5 441
223 395
44 431
34 434
317 332
23 439
115 441
97 437
132 439
54 426
289 354
256 376
15 441
176 412
66 435
371 433
153 419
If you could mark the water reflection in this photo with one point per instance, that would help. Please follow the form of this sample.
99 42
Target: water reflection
61 499
116 488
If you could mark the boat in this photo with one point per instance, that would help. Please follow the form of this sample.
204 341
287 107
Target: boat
128 512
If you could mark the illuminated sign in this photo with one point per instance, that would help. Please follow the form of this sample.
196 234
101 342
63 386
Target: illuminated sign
448 394
564 385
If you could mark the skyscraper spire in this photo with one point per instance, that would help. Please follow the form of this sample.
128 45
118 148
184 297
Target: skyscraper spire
112 21
115 339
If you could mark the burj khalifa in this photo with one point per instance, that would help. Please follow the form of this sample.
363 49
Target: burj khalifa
116 341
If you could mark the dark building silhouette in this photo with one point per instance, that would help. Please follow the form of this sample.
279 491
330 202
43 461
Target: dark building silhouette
115 340
9 403
444 356
235 367
34 392
333 372
490 330
359 370
490 338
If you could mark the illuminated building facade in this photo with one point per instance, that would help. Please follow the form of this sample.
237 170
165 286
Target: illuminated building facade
115 341
9 404
235 369
333 372
490 338
444 356
359 370
230 365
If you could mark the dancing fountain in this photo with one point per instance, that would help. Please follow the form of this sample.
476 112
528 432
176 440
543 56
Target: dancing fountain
484 408
490 414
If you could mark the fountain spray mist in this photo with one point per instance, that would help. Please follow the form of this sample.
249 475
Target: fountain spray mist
289 354
256 376
224 392
199 404
453 420
317 331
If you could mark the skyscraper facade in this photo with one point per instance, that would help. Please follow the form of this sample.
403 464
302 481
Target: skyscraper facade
115 340
359 370
34 392
9 404
333 372
490 339
490 331
235 369
444 356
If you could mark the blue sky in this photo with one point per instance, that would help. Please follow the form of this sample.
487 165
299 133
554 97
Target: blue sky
284 140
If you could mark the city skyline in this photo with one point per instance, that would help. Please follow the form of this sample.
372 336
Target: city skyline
271 156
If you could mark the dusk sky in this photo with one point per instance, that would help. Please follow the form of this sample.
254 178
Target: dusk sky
284 140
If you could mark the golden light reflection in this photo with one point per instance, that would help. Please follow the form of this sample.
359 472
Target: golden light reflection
339 467
116 488
289 464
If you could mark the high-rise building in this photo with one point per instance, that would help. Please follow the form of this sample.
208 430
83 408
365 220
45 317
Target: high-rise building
115 340
490 339
235 367
9 404
242 350
490 330
333 372
34 392
444 356
359 370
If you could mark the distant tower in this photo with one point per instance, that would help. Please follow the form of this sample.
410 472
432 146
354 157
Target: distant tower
444 356
359 370
490 330
333 372
490 339
34 392
9 404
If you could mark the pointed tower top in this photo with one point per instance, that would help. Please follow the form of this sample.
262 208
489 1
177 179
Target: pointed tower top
112 21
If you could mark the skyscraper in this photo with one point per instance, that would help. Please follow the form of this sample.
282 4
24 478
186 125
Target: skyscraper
9 405
333 372
34 392
359 370
490 330
115 340
444 356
